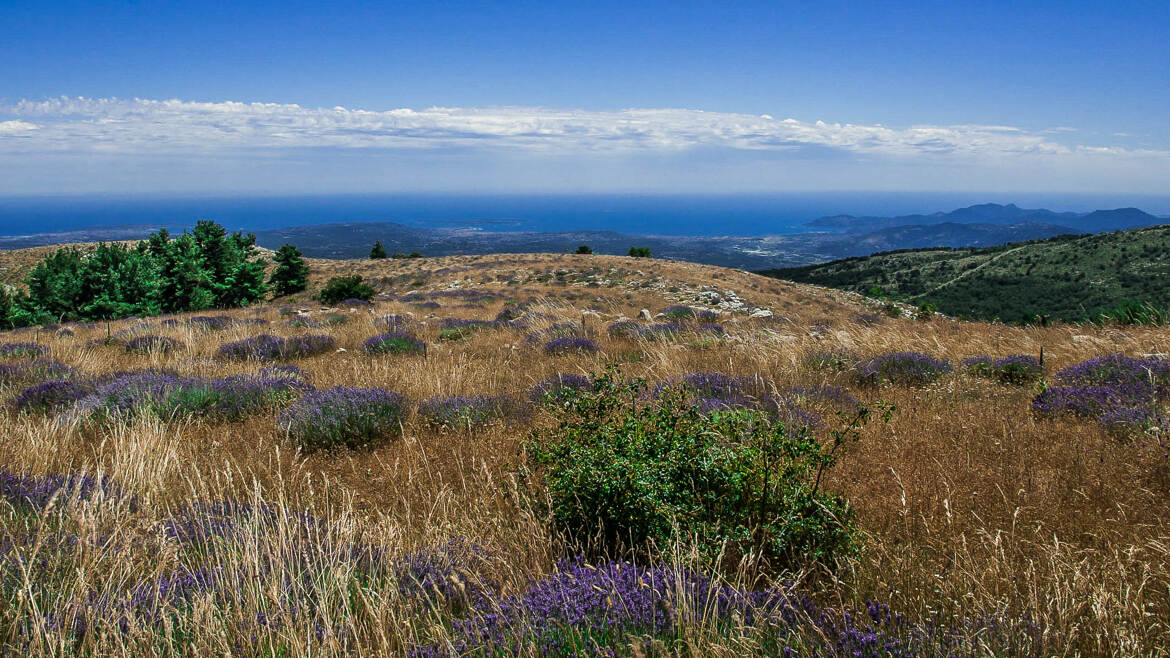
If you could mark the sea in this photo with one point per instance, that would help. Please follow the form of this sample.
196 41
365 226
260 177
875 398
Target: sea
656 214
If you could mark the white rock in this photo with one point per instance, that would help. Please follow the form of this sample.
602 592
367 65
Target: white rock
644 314
761 313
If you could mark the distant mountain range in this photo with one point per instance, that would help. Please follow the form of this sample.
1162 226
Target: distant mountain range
1000 215
829 238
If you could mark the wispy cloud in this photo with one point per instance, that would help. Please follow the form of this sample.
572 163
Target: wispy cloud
141 126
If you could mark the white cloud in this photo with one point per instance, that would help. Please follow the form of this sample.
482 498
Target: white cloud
172 126
16 127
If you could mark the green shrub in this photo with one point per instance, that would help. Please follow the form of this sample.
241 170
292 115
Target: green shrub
636 473
341 288
640 252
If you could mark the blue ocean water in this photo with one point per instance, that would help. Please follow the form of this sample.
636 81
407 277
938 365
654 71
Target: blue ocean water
636 214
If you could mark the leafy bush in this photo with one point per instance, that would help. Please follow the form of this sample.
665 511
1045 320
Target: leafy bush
640 252
394 343
460 328
344 416
345 287
636 473
910 368
569 345
679 312
584 249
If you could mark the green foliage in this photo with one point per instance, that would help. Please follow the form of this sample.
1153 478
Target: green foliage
193 272
926 310
584 249
638 474
341 288
378 251
1135 313
1077 278
640 252
291 274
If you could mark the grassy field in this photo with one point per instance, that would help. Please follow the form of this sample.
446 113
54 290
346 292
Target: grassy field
986 528
1067 278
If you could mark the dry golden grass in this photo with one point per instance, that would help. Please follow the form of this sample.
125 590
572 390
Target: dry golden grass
968 503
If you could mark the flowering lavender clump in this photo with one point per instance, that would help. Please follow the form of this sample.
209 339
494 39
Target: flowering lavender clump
264 347
1119 391
307 345
210 322
468 411
36 370
36 491
392 323
569 345
623 329
709 328
354 302
868 319
460 328
913 368
49 396
1117 370
1018 369
152 344
166 395
582 609
344 416
707 316
556 388
398 342
660 330
23 350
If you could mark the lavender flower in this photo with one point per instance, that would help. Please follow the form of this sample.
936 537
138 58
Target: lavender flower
36 370
623 329
264 347
49 396
344 416
307 345
36 491
660 330
469 411
23 350
210 322
1018 369
354 302
912 368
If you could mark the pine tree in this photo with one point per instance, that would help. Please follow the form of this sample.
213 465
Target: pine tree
378 251
291 273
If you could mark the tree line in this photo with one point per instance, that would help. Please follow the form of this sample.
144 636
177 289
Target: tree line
202 269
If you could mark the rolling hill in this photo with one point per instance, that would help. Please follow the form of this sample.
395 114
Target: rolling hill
1069 278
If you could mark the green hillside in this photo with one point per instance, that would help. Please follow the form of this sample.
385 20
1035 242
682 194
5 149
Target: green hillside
1069 278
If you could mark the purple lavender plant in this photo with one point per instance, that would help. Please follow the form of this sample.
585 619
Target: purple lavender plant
36 370
50 396
660 330
307 345
469 411
908 368
623 329
151 344
570 345
344 416
23 350
679 312
556 388
264 347
210 322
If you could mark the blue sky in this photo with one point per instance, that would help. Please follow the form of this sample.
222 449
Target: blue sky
544 96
